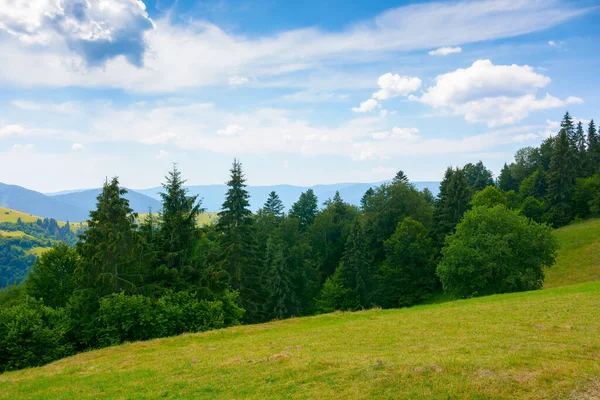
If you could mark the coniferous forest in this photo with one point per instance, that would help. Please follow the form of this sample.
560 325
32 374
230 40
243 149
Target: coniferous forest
129 279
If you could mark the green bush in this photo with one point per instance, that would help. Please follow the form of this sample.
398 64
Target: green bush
32 334
496 250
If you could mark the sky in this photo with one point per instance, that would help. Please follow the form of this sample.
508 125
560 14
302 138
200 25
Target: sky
303 93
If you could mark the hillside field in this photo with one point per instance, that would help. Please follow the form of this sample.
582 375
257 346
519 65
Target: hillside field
533 345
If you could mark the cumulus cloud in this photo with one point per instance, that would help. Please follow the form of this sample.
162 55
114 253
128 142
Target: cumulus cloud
176 56
366 106
77 147
444 51
11 130
492 94
95 30
231 130
393 85
401 134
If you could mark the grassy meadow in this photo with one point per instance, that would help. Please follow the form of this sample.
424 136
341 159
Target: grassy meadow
533 345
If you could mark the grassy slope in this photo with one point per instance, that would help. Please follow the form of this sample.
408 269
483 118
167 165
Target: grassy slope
541 345
8 215
206 218
533 345
579 256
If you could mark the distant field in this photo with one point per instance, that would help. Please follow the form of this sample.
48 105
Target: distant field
15 234
579 256
8 215
533 345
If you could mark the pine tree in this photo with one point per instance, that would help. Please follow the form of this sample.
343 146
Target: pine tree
177 232
238 247
580 156
593 141
561 180
366 199
453 201
305 209
110 249
478 175
355 270
506 181
400 177
408 274
281 301
567 125
273 205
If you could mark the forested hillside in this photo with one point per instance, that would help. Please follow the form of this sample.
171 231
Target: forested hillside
402 246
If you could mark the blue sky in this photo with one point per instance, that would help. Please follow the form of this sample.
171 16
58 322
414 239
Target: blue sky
302 92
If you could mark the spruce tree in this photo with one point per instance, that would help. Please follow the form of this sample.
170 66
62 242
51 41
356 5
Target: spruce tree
177 232
593 142
110 249
305 209
408 274
561 180
453 201
580 156
478 175
366 199
238 247
567 125
281 301
506 181
400 177
355 270
274 205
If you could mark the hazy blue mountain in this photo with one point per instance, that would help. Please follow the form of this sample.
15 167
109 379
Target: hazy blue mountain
35 203
86 199
213 195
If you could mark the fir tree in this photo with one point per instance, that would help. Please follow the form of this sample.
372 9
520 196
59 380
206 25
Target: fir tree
355 270
110 249
366 199
274 205
400 177
580 156
453 201
506 181
281 301
478 175
305 209
561 179
567 125
593 142
177 232
238 247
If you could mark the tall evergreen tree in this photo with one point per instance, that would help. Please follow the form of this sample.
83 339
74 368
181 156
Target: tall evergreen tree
478 175
274 205
561 179
177 232
453 201
355 270
506 181
580 156
567 125
366 199
281 301
593 142
110 249
400 177
237 240
305 209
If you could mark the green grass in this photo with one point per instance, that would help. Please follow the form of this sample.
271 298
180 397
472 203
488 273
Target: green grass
8 215
205 218
579 255
534 345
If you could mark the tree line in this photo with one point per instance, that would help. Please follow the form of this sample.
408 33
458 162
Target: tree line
128 280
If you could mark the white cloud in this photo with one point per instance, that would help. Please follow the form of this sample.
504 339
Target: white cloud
238 80
555 44
492 94
231 130
384 171
366 106
551 43
173 56
162 154
444 51
11 130
77 147
313 96
405 134
61 108
95 30
393 85
23 148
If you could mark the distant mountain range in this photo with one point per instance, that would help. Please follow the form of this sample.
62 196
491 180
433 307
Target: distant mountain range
75 205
